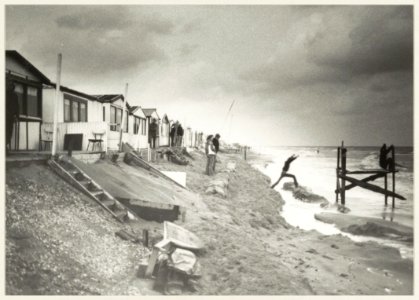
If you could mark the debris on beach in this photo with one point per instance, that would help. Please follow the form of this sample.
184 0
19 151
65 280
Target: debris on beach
176 156
304 194
173 263
219 185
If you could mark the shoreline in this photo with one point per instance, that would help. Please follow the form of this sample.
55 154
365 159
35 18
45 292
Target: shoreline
249 183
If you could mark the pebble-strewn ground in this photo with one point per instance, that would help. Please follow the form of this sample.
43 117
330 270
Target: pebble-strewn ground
59 242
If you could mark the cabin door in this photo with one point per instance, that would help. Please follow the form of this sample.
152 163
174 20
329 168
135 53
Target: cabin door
26 135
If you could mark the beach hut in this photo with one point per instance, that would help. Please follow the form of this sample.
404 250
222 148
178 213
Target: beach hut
188 137
112 110
164 131
79 119
139 135
151 113
28 81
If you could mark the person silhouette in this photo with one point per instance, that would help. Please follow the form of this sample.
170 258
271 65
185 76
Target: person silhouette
386 162
285 169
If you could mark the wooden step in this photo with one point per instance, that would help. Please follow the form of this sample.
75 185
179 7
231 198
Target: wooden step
108 202
121 214
98 193
86 182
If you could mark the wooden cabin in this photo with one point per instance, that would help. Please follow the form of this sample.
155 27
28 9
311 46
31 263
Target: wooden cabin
139 134
112 110
165 131
151 113
79 118
27 81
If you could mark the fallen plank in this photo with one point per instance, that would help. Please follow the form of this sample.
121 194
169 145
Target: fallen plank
371 187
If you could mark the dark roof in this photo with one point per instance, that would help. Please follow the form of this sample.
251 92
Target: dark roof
109 98
68 90
133 109
27 64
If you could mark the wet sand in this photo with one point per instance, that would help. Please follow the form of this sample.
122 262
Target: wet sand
251 250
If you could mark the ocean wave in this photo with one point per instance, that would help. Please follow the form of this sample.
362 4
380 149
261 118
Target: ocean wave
370 161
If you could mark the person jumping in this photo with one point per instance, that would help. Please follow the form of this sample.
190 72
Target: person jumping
285 169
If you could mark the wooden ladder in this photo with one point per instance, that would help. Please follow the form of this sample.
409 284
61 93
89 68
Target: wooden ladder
79 179
134 156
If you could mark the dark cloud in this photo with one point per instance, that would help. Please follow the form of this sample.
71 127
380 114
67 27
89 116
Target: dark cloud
91 17
95 40
380 41
336 45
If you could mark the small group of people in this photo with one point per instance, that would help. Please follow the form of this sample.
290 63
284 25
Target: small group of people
176 134
212 146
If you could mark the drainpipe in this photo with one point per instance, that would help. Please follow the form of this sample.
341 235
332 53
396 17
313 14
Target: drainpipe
123 118
57 95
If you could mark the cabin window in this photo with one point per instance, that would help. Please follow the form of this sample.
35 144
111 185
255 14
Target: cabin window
29 99
75 109
137 122
116 119
143 127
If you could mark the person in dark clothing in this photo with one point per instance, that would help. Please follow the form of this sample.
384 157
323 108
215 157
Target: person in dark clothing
386 163
152 133
179 135
216 143
172 135
12 112
285 169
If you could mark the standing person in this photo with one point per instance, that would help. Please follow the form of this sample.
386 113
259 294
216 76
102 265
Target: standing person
172 135
285 169
210 152
179 135
216 144
152 133
386 162
12 112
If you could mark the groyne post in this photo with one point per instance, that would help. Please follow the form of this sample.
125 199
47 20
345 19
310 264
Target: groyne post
385 187
342 196
337 176
393 154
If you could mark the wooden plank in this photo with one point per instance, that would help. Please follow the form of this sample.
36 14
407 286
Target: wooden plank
162 245
130 156
181 237
371 171
371 187
369 178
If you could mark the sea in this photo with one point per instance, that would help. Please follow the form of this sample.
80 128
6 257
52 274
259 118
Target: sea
315 169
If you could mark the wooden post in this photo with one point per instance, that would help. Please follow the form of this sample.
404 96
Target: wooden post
393 175
342 199
145 237
148 152
385 187
245 152
121 129
57 95
337 175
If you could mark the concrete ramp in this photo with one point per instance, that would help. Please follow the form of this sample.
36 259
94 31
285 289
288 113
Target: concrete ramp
133 186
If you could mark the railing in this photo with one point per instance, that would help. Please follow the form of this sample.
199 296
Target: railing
85 128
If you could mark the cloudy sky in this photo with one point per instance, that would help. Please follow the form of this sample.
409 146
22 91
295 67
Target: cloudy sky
296 75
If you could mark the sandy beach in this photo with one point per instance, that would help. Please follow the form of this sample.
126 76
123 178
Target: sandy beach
249 248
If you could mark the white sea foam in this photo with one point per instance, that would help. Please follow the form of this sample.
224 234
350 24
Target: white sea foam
317 171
